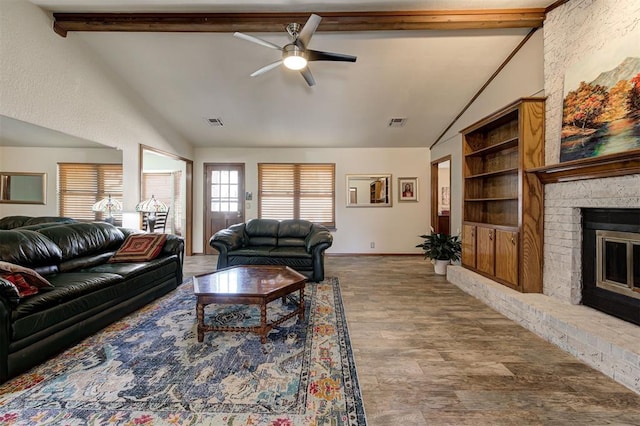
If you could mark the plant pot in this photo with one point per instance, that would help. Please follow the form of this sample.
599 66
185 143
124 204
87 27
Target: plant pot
440 267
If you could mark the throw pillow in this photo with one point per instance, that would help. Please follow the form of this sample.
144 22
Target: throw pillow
31 276
24 288
139 248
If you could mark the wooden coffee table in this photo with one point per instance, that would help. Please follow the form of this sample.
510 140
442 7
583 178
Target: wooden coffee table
248 285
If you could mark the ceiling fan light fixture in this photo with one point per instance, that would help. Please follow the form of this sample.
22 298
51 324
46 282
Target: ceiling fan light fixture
293 57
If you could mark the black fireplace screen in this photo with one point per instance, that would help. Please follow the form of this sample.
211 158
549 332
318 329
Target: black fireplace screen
618 262
611 261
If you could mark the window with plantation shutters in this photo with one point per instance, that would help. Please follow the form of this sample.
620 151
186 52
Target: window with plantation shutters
80 185
165 186
297 191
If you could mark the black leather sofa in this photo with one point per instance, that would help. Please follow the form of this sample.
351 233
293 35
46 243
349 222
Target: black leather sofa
88 292
12 222
299 244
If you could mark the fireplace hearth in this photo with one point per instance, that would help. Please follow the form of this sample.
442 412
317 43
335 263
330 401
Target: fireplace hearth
611 261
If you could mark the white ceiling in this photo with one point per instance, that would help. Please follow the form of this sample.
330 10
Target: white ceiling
424 76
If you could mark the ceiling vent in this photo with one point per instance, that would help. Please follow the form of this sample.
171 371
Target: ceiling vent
396 122
215 122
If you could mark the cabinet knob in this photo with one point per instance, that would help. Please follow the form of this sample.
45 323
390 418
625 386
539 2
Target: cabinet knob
491 235
513 240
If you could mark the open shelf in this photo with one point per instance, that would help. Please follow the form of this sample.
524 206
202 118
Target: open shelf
509 143
476 200
494 173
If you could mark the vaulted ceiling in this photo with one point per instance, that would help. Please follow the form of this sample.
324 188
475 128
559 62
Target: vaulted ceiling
421 65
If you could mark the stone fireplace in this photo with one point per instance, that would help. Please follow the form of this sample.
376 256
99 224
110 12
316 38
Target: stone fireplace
563 233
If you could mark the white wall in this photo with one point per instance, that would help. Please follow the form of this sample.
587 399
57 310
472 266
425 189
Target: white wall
58 83
45 160
522 77
393 229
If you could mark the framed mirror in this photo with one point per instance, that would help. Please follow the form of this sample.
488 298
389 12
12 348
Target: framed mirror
23 188
369 190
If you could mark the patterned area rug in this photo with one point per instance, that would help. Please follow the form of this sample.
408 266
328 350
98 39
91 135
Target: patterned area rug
150 369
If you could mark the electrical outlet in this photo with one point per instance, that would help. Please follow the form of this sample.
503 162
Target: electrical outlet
373 245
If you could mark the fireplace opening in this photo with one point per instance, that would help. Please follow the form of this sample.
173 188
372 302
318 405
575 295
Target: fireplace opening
611 262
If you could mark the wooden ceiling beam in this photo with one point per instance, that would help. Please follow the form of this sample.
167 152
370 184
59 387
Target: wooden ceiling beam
275 22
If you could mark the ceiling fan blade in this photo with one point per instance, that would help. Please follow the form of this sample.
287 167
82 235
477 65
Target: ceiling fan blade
316 55
257 40
308 77
309 28
266 68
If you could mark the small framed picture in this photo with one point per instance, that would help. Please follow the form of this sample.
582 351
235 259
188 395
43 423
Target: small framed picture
408 189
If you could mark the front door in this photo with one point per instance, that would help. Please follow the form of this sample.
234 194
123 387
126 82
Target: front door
223 199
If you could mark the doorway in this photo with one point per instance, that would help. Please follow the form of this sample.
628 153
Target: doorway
223 199
170 177
441 195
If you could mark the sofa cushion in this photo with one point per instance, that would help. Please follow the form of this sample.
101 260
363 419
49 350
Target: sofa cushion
28 248
294 228
130 269
262 232
139 248
252 251
48 219
84 262
10 222
68 286
83 239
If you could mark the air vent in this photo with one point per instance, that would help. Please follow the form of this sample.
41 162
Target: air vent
397 122
215 122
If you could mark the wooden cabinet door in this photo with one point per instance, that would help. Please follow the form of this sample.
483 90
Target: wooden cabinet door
485 249
507 256
469 245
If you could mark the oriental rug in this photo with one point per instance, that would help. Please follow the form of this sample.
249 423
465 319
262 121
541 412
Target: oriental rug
149 368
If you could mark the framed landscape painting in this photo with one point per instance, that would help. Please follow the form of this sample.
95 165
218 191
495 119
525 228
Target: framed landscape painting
601 107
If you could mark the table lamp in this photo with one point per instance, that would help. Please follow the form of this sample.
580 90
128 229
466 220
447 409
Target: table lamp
108 205
151 206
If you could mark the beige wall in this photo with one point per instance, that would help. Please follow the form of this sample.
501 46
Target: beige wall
522 77
393 229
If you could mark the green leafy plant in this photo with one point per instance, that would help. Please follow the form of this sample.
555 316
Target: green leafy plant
441 246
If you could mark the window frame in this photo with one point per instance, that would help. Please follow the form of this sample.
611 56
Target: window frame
301 188
92 184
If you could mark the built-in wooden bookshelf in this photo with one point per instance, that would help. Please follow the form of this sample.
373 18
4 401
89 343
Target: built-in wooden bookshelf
502 214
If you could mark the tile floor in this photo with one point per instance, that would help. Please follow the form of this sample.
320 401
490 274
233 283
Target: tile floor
429 354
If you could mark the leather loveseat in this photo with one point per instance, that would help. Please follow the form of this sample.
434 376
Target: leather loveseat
296 243
86 294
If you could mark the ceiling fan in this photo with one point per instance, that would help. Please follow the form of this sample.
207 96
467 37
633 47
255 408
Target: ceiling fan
295 55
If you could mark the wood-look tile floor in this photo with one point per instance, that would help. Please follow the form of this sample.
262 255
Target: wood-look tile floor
429 354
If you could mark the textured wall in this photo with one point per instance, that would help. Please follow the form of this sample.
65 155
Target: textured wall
60 84
571 32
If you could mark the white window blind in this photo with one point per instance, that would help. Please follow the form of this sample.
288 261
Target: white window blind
165 186
80 185
297 191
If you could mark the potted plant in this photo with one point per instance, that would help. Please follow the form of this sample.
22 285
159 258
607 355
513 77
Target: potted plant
442 249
